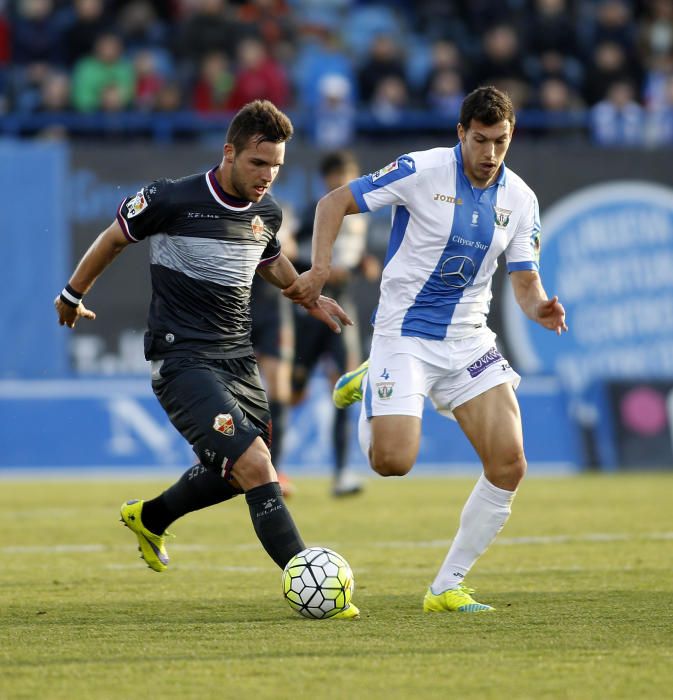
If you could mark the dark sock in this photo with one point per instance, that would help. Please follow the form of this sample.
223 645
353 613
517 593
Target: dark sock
197 488
273 523
278 412
340 438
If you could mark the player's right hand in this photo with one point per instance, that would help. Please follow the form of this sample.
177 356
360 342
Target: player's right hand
306 289
69 315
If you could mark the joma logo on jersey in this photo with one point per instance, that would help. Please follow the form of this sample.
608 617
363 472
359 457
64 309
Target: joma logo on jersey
257 226
448 199
501 217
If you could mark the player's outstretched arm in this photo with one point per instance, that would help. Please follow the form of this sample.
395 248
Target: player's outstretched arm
329 216
533 300
100 254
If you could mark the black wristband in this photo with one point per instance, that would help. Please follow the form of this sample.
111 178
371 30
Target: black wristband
70 297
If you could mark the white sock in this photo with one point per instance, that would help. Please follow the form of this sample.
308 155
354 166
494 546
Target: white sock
485 513
364 429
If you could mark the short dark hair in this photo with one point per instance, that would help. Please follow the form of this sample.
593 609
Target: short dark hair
262 119
336 161
487 105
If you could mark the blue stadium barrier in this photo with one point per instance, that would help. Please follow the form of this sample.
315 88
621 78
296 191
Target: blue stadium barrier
104 424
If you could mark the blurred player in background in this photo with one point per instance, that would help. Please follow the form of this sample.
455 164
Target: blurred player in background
455 210
209 233
312 345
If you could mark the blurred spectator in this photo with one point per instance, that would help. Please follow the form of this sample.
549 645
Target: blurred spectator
445 93
660 118
96 76
384 60
445 57
271 21
36 34
210 27
610 64
86 25
149 79
563 109
320 54
258 76
55 93
501 64
169 97
333 124
612 22
618 120
140 28
4 40
214 85
390 100
552 45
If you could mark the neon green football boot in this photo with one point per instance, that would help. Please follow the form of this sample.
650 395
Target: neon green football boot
152 547
454 600
348 388
352 612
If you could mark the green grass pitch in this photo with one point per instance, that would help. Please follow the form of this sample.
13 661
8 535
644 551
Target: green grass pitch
582 579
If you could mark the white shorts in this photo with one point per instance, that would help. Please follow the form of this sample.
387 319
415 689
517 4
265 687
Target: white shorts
403 371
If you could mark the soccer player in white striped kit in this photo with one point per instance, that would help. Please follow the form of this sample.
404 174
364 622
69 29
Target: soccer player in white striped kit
454 211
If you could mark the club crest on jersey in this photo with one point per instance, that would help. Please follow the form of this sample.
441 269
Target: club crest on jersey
384 389
137 205
501 217
224 424
384 171
257 226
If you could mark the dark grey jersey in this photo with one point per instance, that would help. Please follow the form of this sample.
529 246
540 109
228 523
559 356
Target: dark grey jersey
205 247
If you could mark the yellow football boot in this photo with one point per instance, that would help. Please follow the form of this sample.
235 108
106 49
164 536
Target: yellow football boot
454 600
348 388
152 547
352 612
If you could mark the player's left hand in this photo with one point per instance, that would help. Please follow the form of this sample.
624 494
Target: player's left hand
551 314
327 310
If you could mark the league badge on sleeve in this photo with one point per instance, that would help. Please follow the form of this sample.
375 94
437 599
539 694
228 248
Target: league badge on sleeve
384 171
137 205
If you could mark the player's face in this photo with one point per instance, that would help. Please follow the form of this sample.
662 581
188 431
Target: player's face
484 148
254 168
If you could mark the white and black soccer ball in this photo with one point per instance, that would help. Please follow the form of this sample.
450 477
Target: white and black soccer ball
318 583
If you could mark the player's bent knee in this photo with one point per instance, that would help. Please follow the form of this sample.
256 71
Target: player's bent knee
388 463
508 472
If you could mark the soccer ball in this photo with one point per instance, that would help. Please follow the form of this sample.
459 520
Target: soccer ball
318 583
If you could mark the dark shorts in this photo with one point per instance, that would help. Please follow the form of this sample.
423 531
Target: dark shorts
313 342
266 319
219 406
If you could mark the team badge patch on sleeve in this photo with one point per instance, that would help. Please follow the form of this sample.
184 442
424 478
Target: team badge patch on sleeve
137 205
224 424
384 171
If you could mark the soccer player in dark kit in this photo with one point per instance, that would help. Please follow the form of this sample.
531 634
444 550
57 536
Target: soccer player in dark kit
208 234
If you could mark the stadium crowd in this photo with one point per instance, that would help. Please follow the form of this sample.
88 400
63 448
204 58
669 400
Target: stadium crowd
599 67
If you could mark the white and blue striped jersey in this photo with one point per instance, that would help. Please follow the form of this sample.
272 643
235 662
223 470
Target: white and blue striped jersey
445 241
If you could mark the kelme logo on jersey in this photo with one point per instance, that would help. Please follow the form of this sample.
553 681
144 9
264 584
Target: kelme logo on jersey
136 205
501 217
384 390
224 424
257 226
